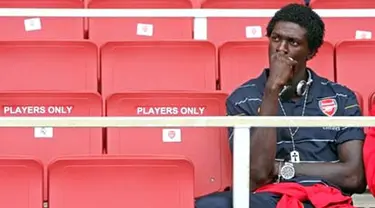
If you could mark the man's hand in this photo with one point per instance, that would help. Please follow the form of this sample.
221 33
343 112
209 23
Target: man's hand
281 71
348 174
276 168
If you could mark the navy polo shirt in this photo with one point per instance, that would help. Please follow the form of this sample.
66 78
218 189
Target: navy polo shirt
325 98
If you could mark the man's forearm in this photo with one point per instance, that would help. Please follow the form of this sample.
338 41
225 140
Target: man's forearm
339 174
262 154
263 143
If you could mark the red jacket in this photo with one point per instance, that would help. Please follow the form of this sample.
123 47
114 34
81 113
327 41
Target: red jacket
369 156
319 195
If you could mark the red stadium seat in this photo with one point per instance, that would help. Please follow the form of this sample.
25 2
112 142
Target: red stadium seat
207 148
347 28
244 60
126 181
46 143
341 4
102 30
196 3
153 65
41 28
21 182
239 29
48 66
248 4
354 61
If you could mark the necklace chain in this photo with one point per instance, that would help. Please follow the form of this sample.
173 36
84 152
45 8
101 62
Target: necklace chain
292 134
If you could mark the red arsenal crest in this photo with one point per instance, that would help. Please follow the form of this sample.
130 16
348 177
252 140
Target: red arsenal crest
328 106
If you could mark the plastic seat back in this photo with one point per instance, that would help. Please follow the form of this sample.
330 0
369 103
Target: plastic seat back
207 148
126 181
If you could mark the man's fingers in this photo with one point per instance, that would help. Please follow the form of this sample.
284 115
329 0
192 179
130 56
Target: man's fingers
293 62
283 57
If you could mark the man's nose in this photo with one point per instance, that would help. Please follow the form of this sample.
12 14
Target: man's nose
282 47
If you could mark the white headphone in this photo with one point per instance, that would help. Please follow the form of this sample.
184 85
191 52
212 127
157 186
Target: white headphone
303 86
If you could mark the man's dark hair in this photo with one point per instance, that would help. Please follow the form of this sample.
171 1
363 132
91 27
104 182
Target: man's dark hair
305 17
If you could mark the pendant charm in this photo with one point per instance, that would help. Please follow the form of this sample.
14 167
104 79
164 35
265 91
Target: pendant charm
294 156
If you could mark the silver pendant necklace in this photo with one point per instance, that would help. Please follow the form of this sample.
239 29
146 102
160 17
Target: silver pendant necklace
294 154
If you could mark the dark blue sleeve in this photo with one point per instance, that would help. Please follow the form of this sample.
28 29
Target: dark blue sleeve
242 107
351 108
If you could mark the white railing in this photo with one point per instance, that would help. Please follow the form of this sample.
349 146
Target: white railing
241 149
206 121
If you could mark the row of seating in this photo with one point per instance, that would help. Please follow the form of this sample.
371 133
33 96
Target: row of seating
166 65
101 30
206 148
216 3
269 4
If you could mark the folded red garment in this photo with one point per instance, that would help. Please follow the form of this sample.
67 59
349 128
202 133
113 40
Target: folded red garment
320 196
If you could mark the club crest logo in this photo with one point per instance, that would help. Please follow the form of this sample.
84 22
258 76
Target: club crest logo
328 106
171 134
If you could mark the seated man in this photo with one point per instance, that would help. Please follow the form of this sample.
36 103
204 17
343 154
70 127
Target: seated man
297 167
369 155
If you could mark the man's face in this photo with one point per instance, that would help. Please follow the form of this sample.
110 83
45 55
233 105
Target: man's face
290 38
